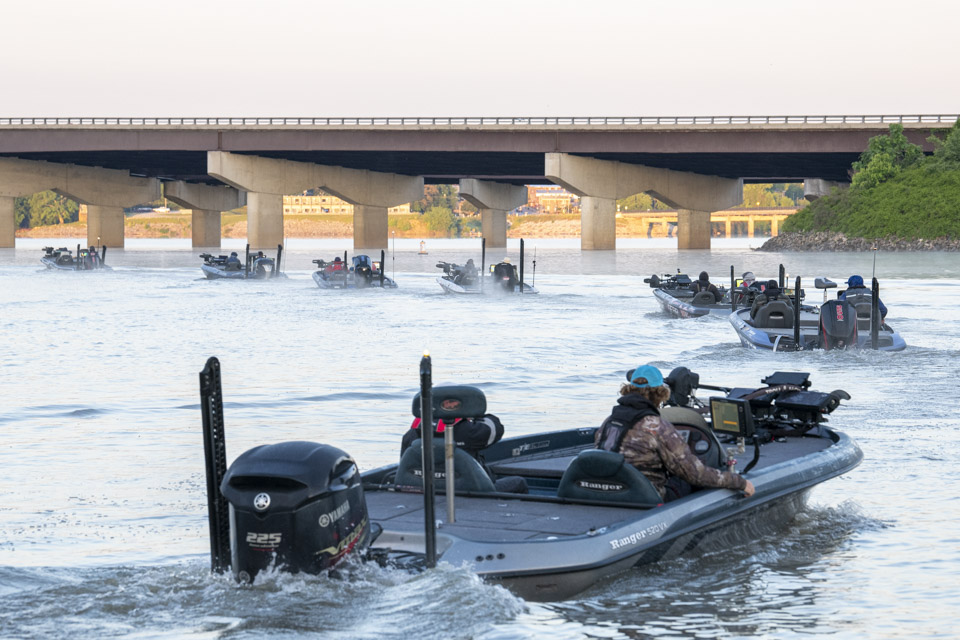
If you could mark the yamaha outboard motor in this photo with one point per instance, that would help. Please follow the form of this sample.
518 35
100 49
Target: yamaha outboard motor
838 325
296 505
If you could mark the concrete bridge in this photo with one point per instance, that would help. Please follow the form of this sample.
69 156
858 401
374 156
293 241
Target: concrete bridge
664 219
697 165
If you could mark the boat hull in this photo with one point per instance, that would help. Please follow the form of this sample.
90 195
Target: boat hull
782 339
551 551
489 287
349 282
680 308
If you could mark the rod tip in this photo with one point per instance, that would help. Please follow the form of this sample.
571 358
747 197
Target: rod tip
426 353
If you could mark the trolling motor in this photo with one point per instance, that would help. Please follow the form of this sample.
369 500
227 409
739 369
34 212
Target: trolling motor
298 506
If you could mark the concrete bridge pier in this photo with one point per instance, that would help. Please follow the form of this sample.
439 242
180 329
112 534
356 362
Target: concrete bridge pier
207 203
370 192
493 199
370 227
8 223
814 188
598 224
264 220
205 228
105 226
693 229
601 182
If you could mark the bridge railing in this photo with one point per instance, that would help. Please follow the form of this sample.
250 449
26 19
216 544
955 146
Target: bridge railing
574 121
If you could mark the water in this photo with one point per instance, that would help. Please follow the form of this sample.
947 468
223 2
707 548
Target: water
102 509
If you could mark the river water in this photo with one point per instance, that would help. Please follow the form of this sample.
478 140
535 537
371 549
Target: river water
103 528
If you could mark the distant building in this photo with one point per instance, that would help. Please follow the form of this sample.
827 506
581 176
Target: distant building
322 203
552 199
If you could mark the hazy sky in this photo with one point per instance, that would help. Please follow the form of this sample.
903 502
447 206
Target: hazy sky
491 58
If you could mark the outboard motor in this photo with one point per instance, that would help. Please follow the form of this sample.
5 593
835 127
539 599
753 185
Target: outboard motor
838 325
296 505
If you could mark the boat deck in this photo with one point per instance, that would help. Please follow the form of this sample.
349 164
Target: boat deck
508 518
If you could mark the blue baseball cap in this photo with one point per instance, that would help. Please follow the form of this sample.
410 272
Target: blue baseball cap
646 372
854 281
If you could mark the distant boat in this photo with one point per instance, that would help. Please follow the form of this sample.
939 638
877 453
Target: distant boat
423 248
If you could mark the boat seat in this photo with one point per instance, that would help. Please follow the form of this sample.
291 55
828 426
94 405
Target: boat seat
704 297
863 303
776 314
601 475
469 475
700 438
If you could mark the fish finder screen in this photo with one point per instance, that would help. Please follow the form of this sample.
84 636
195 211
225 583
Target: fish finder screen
729 416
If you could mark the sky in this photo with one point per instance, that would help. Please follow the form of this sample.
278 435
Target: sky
522 58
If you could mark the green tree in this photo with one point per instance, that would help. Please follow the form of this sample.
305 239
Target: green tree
886 157
437 195
794 192
441 220
46 208
947 152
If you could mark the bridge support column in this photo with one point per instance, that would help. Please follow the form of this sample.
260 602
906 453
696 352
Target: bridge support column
105 226
493 227
205 225
264 220
598 224
727 227
370 192
750 227
370 227
814 188
608 181
774 227
693 229
493 199
8 223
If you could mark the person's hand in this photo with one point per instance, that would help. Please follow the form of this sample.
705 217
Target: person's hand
748 490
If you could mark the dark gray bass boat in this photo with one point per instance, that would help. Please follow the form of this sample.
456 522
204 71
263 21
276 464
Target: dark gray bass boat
675 295
784 325
303 506
504 277
87 259
364 274
256 266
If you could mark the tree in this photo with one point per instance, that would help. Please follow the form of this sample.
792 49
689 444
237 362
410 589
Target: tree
441 220
886 157
794 192
947 152
45 208
437 195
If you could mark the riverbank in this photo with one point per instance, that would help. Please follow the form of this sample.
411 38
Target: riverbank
179 225
835 241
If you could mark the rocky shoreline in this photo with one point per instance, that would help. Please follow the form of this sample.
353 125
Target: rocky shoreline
832 241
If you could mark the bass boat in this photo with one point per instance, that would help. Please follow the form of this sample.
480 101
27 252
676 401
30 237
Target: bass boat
364 274
87 259
788 325
304 506
256 266
675 295
504 277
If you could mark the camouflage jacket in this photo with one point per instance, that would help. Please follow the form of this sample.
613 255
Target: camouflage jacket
654 447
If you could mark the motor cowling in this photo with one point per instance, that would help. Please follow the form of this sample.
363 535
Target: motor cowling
298 506
838 325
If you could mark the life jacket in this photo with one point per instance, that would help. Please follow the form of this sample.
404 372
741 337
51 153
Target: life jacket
630 409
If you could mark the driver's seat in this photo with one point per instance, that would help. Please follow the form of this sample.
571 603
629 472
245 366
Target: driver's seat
604 476
776 314
703 298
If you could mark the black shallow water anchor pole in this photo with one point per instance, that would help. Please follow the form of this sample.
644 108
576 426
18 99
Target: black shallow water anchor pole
276 269
426 440
875 319
796 315
246 262
733 288
783 277
483 260
521 265
215 455
103 256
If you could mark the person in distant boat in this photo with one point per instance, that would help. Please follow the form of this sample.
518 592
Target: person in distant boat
652 445
473 435
469 273
703 284
233 262
505 274
336 265
858 291
770 293
750 281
